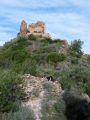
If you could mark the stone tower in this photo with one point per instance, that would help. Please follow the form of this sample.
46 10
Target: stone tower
23 28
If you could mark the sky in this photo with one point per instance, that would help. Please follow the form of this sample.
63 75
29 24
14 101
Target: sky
64 19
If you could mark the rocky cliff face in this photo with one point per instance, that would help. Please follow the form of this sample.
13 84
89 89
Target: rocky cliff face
37 90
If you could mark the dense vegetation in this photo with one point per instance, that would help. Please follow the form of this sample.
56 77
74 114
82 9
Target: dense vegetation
43 57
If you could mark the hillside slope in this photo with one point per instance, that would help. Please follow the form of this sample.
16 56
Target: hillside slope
25 90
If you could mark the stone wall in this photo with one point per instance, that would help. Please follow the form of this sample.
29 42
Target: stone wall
38 27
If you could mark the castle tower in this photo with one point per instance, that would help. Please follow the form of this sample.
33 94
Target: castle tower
31 28
38 27
23 28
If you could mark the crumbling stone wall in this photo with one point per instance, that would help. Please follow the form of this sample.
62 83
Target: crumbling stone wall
38 27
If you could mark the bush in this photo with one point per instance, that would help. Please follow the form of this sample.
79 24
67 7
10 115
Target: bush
29 67
45 50
21 114
47 40
11 89
88 59
55 57
56 41
65 80
32 37
76 107
42 71
87 89
39 58
15 53
74 60
76 47
77 76
53 111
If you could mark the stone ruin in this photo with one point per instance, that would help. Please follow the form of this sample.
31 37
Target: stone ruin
37 29
23 28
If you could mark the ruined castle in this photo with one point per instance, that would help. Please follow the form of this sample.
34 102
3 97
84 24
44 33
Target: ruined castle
37 29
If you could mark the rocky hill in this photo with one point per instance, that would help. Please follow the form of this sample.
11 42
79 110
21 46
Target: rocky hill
44 79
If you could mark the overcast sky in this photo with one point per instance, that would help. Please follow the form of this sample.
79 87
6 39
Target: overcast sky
65 19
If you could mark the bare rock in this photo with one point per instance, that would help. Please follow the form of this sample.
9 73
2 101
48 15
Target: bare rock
23 28
36 89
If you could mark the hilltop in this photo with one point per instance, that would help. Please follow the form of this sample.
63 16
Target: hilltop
37 29
41 78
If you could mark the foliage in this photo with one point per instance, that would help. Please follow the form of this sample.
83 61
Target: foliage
47 40
22 114
53 111
31 37
55 57
11 89
88 59
76 47
27 67
45 71
17 59
76 108
87 88
77 76
74 60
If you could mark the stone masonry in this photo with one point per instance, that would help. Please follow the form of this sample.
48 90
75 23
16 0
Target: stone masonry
37 29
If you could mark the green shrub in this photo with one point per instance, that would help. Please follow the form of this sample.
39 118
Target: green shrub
29 66
21 114
56 41
32 37
55 57
42 71
88 59
77 77
11 89
65 80
76 108
74 60
46 40
15 53
47 87
45 50
87 88
39 58
53 111
76 48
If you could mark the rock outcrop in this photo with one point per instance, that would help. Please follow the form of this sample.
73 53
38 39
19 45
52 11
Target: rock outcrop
23 28
64 47
36 92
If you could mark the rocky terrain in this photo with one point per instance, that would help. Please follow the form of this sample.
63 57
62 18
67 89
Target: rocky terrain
36 93
44 79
